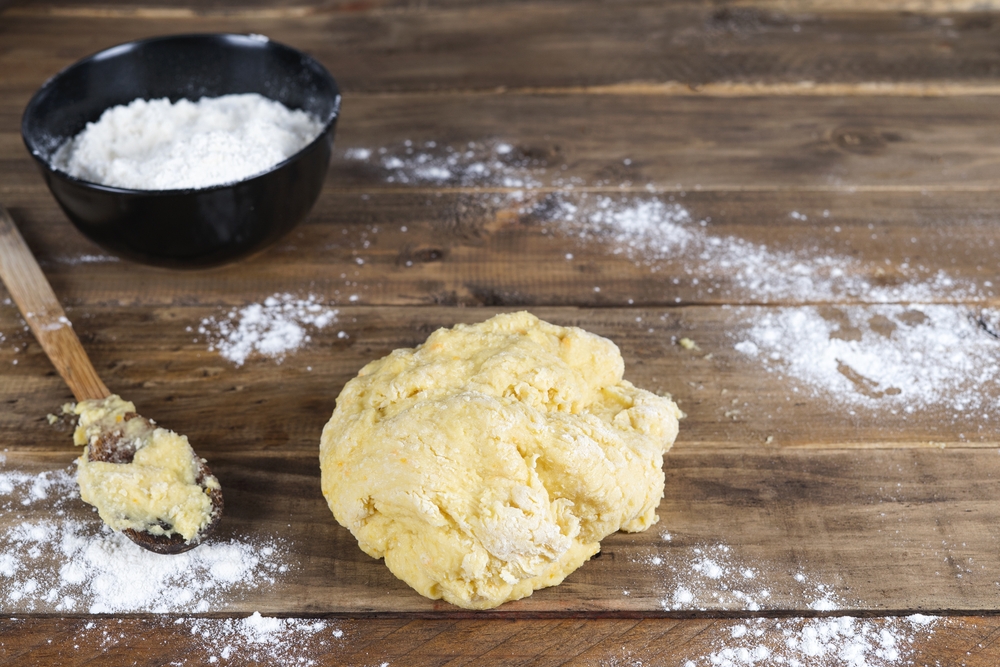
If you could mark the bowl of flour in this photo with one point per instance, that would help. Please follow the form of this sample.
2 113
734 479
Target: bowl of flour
186 150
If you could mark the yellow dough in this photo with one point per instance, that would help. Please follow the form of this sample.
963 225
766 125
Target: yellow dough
157 491
491 460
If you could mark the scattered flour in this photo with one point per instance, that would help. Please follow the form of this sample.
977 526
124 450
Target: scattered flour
904 357
643 228
878 355
251 640
88 259
159 145
651 232
901 359
881 356
260 639
477 164
273 328
838 641
66 564
713 577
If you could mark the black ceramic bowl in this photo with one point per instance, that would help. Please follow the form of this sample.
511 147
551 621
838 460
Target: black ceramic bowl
194 227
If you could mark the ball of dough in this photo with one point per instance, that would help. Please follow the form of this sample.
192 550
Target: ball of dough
491 460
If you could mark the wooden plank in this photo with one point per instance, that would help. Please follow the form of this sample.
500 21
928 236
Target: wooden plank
734 400
531 45
494 249
957 640
778 501
779 532
299 8
837 145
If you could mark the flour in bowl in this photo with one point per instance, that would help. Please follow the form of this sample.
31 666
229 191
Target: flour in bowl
159 145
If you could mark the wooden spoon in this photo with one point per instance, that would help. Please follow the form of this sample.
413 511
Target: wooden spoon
41 310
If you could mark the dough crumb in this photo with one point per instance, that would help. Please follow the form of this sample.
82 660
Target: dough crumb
688 344
491 460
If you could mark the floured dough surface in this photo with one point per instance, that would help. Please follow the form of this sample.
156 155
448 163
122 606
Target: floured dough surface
491 460
153 486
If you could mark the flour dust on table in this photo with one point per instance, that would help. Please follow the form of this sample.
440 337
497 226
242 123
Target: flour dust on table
716 577
655 227
900 354
258 639
490 163
88 259
274 328
836 641
244 641
896 358
883 357
661 234
55 558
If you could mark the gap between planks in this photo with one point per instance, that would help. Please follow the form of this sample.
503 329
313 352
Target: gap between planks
58 454
652 189
744 89
720 89
160 12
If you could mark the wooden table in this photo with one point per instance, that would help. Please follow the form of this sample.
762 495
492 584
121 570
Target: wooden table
865 133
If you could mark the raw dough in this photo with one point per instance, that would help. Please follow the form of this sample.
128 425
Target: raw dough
491 460
157 491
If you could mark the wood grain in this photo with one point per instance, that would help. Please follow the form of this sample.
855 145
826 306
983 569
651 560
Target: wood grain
872 531
488 249
732 400
487 46
859 134
45 317
834 145
963 640
290 8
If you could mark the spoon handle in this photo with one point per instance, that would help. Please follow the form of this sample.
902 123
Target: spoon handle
41 310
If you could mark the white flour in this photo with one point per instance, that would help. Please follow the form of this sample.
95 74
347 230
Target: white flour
838 641
652 232
250 640
260 639
64 564
486 164
893 358
899 359
878 357
655 230
88 259
714 577
273 328
156 145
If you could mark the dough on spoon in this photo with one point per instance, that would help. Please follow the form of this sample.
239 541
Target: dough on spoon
491 460
138 476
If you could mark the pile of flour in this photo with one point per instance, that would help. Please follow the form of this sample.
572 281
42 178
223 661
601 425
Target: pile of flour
55 557
159 145
272 329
